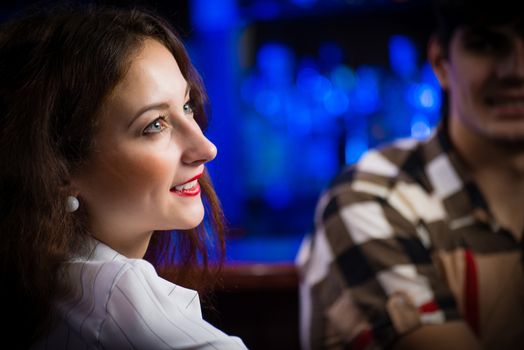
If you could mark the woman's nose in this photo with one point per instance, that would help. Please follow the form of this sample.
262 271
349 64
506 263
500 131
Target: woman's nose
198 149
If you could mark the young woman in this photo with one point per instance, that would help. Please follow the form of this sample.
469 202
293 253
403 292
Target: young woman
101 152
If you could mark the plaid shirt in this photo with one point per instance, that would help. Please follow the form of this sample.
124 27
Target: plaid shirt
405 238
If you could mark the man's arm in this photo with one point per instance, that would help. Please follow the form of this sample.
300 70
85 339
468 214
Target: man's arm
450 335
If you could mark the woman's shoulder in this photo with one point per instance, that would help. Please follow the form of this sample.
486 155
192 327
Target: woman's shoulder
98 270
121 302
103 270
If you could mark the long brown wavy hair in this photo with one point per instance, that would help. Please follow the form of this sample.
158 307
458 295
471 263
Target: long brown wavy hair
56 68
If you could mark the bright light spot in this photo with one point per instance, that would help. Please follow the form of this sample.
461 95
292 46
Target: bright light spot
427 98
420 128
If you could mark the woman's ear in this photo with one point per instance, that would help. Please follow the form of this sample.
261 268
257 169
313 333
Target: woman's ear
438 59
69 187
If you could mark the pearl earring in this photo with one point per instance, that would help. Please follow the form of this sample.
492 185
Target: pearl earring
72 204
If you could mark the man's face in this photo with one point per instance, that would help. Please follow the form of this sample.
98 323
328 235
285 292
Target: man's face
483 74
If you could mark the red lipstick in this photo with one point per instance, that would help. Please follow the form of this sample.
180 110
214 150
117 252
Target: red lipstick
189 188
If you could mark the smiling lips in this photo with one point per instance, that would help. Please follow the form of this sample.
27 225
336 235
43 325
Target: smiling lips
189 188
508 106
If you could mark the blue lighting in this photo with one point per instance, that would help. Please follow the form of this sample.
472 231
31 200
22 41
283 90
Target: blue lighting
275 62
321 88
304 3
306 115
402 56
263 9
307 62
424 96
322 159
366 96
299 116
420 128
427 98
212 15
330 55
267 102
355 147
428 75
263 249
343 78
313 84
278 195
306 79
336 102
249 88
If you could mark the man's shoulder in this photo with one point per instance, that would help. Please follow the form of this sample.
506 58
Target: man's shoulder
384 165
397 179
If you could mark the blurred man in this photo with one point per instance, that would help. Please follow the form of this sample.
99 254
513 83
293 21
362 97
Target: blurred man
419 245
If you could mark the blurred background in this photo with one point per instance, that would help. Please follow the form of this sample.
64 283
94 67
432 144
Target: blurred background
298 89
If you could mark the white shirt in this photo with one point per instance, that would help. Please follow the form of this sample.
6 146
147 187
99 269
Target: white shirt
121 303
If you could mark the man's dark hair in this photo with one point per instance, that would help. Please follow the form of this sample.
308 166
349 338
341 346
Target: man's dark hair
452 14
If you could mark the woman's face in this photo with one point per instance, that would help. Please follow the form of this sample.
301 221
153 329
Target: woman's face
148 154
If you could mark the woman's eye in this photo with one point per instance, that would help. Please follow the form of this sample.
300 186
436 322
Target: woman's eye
158 125
188 107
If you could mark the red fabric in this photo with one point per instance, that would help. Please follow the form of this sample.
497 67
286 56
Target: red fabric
428 307
471 292
362 340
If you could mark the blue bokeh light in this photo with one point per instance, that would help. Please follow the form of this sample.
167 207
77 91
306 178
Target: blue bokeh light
343 77
304 111
263 9
311 115
304 3
275 63
209 15
424 97
402 56
355 147
336 102
313 84
420 127
322 160
367 95
299 116
250 87
267 102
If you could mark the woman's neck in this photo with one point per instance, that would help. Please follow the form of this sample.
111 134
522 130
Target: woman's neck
131 245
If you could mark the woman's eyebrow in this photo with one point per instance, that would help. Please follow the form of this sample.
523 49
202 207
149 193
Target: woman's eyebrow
154 106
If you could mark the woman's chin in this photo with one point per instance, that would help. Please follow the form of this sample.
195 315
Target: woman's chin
189 222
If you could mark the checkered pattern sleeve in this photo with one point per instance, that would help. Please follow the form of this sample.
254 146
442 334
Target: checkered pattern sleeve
367 275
